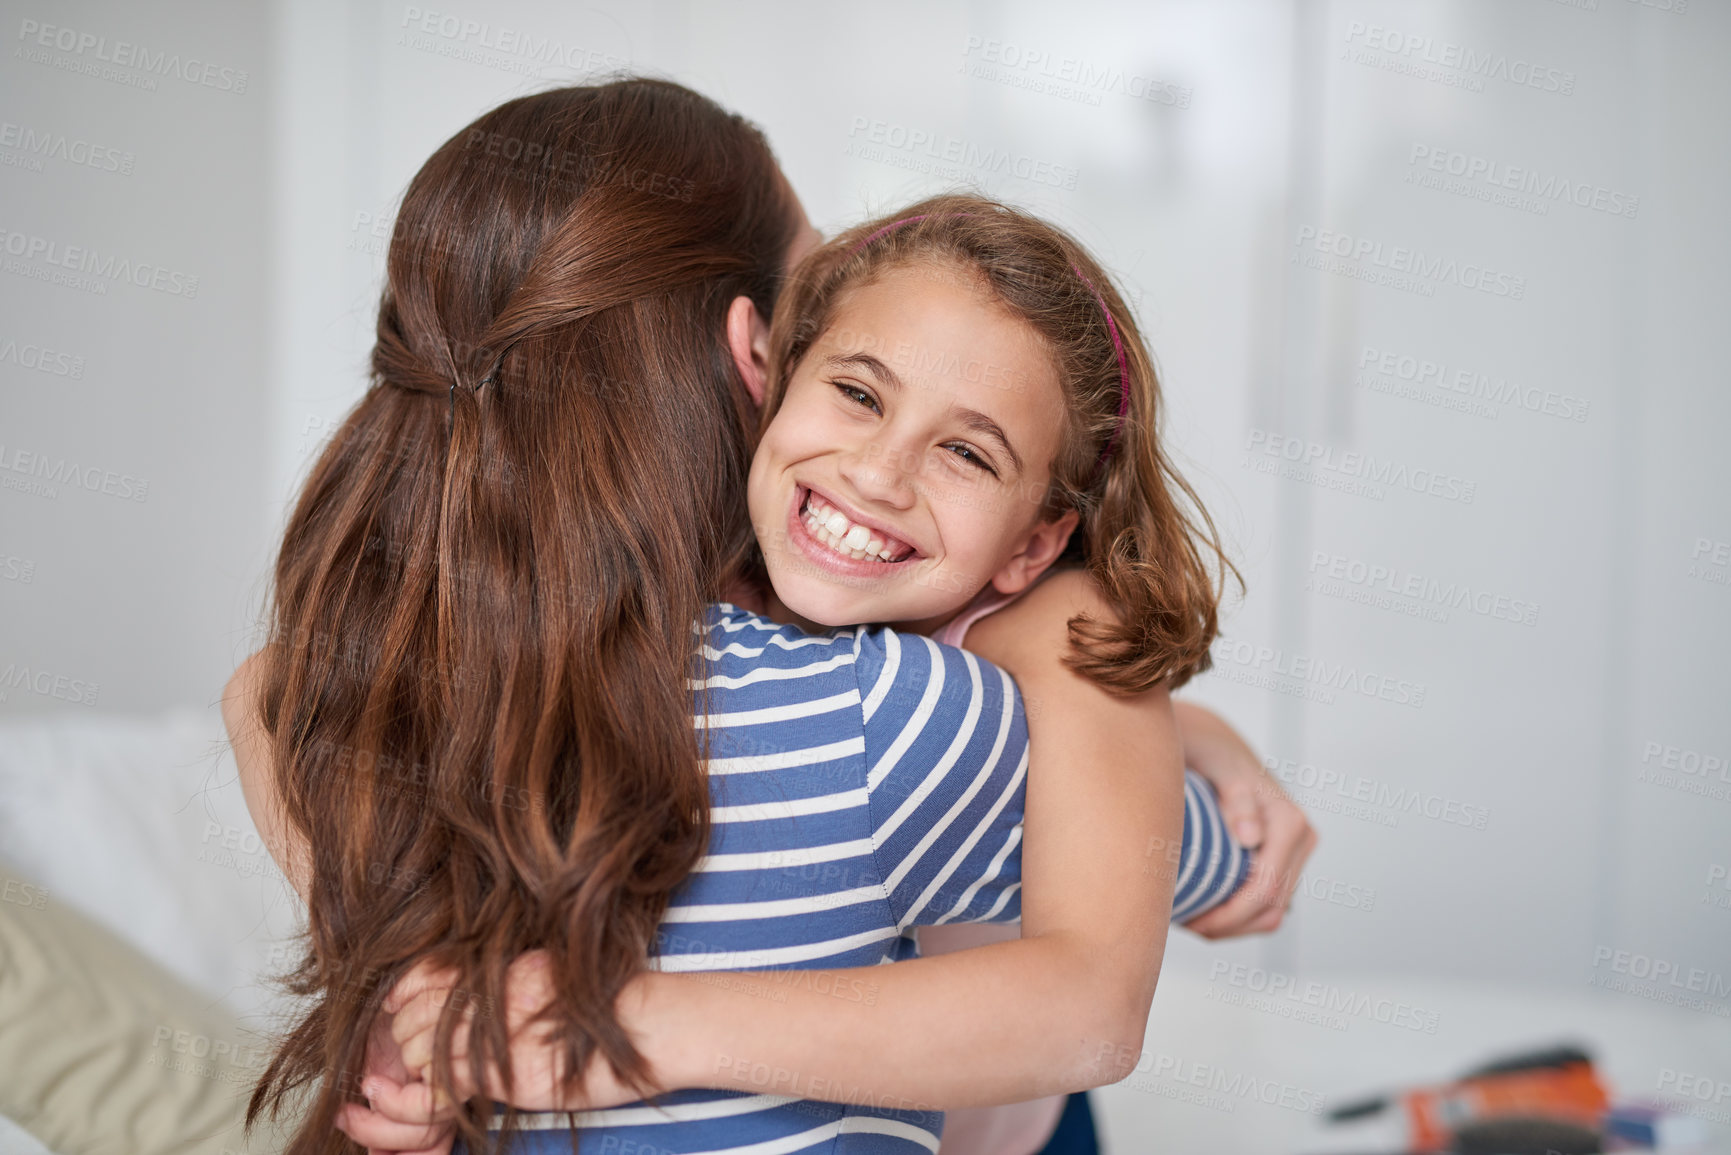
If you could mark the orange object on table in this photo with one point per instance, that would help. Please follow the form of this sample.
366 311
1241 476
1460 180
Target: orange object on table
1570 1092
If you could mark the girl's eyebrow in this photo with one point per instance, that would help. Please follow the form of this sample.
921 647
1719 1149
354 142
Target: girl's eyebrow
972 418
867 362
986 427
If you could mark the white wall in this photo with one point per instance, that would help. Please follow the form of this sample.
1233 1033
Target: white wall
130 540
1270 126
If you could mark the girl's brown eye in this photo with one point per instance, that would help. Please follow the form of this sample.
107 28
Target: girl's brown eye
972 456
857 395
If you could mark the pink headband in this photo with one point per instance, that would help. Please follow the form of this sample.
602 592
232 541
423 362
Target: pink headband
1111 327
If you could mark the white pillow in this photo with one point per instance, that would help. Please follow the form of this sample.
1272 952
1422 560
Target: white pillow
15 1140
140 822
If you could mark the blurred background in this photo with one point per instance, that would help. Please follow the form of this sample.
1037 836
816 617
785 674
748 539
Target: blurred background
1440 298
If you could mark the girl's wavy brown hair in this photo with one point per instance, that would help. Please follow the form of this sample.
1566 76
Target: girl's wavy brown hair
476 685
1143 535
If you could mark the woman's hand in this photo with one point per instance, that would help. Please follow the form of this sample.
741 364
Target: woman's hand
1260 816
415 1005
419 999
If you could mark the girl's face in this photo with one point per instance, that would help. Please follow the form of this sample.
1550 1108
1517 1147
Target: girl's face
908 465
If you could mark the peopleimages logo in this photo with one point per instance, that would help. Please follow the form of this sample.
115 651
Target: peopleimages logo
26 355
88 51
1484 178
40 473
1328 998
1376 578
39 145
1351 470
1470 384
1216 1087
86 264
498 46
1305 676
1399 267
925 150
1323 781
1660 980
1710 560
1065 77
47 684
1405 48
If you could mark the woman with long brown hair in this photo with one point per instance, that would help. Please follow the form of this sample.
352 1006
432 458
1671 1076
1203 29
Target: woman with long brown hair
470 736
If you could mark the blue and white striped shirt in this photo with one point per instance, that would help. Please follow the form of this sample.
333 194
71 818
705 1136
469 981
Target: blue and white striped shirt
863 782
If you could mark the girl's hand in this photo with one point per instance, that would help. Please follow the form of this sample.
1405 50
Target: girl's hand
376 1127
1261 817
538 1083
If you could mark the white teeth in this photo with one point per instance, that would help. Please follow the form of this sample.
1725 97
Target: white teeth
832 528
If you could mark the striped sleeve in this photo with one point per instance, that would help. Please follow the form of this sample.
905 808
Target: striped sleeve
947 762
1212 864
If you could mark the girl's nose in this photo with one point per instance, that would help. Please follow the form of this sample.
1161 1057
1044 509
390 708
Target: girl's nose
882 472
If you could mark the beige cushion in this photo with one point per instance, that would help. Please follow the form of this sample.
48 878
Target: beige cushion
102 1052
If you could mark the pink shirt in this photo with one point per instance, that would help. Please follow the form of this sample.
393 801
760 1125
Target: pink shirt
987 601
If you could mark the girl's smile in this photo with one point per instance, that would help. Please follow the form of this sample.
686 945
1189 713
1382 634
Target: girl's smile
843 535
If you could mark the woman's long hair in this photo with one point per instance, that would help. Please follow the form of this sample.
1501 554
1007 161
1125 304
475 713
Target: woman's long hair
482 619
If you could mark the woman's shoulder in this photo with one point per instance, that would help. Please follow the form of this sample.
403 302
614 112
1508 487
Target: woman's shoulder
240 710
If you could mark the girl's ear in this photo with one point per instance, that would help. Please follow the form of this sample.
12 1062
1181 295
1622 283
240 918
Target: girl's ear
1044 544
748 341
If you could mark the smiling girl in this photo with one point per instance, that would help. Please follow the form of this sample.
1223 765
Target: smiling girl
932 444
